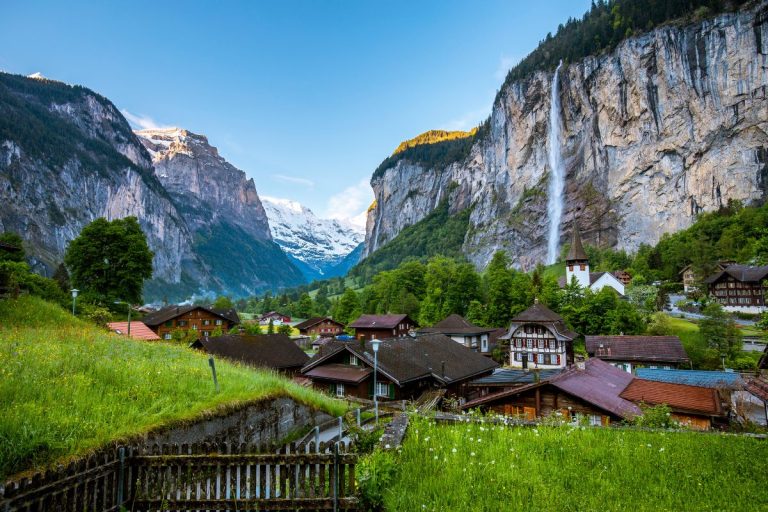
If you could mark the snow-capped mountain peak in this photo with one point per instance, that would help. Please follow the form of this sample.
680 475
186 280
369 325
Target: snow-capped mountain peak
320 244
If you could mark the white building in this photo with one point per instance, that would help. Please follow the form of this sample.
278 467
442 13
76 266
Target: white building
577 267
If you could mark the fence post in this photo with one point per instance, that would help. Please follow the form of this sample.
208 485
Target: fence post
317 438
335 477
120 476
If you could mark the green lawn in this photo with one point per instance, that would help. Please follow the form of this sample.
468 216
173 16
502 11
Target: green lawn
481 467
67 387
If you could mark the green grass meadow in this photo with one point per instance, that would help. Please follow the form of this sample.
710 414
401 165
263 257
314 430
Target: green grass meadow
474 467
67 387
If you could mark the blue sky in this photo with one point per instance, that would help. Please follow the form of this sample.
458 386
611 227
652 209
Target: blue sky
307 97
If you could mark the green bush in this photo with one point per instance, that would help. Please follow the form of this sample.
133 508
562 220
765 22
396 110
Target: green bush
376 473
657 416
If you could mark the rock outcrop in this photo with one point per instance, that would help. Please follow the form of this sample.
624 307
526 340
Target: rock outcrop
670 124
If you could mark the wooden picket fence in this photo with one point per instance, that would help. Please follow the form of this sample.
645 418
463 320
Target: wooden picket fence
213 477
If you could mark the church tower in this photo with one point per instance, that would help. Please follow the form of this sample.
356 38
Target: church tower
577 263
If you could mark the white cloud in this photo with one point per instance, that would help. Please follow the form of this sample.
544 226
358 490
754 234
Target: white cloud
351 204
295 180
505 64
142 122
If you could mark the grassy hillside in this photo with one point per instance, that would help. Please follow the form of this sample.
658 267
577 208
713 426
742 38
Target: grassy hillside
478 467
67 387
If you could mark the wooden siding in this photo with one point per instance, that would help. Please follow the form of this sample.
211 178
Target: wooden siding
729 291
198 319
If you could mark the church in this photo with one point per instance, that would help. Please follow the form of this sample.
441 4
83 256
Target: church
577 267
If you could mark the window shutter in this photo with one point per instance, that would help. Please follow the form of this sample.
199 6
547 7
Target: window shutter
392 391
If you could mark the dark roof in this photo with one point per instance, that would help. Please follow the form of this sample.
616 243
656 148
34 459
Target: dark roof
306 324
666 349
276 351
758 386
576 252
598 383
379 321
540 314
703 378
340 372
456 324
170 312
679 397
743 273
514 377
412 358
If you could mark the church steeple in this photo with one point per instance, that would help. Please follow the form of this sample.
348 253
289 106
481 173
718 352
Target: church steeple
577 261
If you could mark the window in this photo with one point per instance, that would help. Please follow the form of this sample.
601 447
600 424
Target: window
218 322
582 267
169 323
518 356
528 344
181 323
194 327
528 329
167 336
541 344
353 360
340 390
540 358
206 333
382 389
206 322
595 420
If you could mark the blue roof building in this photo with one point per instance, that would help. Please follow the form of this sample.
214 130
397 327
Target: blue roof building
702 378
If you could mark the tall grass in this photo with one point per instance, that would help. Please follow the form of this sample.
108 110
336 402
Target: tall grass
484 467
67 387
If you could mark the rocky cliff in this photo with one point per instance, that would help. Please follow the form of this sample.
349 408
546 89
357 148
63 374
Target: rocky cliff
669 124
67 157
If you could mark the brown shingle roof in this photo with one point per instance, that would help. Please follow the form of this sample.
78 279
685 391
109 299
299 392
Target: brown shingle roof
340 372
758 386
306 324
379 321
576 252
139 330
679 397
537 313
599 384
276 351
667 349
455 324
170 312
743 273
408 359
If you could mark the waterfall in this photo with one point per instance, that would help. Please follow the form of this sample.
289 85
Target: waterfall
557 172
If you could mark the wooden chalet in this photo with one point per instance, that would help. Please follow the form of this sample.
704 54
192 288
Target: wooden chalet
696 407
539 338
740 288
690 279
273 351
461 331
503 379
198 318
139 330
320 326
589 390
368 327
275 317
631 352
407 367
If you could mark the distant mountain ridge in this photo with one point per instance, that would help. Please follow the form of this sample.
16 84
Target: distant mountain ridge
321 248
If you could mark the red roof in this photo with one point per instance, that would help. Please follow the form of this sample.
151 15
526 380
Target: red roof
666 349
139 331
679 397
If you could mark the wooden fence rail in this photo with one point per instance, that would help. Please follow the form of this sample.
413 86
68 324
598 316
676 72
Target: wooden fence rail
197 477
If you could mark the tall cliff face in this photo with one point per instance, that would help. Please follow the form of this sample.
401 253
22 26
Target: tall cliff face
67 157
222 210
670 124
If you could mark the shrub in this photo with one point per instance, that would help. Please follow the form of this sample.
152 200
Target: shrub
375 475
657 416
97 314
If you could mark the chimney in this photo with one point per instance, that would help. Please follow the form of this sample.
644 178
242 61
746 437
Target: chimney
581 365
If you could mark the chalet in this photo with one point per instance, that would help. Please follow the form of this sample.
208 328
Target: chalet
407 367
758 387
368 327
624 277
631 352
696 407
318 343
690 279
538 338
577 267
138 331
320 326
199 318
273 351
586 391
275 317
740 288
461 331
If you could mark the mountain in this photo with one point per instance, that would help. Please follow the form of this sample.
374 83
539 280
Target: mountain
68 156
653 130
321 248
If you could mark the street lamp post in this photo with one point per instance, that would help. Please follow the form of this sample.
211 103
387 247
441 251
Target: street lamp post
375 344
74 299
129 314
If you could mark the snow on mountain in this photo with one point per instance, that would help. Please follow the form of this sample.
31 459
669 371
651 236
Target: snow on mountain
321 246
